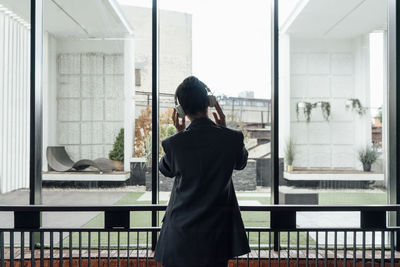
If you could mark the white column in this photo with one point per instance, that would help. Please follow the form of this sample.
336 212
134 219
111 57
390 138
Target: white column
129 101
284 92
2 104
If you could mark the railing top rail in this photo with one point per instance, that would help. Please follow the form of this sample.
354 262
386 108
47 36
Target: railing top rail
158 228
159 207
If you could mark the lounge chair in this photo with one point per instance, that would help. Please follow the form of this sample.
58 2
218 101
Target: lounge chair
58 160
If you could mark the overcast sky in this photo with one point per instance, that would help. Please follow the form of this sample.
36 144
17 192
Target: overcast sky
231 42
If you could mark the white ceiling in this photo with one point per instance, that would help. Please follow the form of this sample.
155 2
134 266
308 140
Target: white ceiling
75 18
339 18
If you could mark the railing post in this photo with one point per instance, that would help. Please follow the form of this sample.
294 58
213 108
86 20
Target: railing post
393 111
155 122
275 113
117 219
36 107
29 220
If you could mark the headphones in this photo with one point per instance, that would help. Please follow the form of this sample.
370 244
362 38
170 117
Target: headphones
212 100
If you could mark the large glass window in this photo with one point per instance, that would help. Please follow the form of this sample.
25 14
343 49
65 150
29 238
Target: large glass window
226 44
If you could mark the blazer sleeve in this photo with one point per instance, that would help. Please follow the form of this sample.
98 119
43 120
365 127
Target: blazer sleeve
242 155
166 165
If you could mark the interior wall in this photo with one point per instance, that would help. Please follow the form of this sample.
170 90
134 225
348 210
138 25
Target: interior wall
334 71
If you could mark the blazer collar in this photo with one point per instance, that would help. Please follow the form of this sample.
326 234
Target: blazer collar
199 122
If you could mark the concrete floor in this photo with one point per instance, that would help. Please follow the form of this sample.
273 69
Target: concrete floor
58 198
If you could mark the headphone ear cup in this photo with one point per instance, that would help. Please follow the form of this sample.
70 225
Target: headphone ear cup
180 112
212 101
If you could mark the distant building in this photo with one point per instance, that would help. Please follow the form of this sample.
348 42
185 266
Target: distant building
247 94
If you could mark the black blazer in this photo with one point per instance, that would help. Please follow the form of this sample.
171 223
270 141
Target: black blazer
202 223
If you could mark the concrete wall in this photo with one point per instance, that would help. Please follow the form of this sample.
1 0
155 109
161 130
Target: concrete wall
333 71
175 51
14 102
90 97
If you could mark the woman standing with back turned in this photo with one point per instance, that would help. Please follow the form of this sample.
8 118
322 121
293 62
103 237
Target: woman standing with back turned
202 225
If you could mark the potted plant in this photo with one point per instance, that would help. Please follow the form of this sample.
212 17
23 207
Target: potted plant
355 105
367 156
289 155
117 152
306 107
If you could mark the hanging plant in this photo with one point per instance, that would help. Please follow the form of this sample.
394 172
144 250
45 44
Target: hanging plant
355 105
325 109
306 107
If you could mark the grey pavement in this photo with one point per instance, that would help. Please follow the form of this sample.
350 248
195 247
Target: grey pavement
59 198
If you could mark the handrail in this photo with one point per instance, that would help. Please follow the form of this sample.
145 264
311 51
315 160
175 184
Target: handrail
161 207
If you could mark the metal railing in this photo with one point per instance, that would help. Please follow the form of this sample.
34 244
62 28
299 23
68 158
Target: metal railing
282 243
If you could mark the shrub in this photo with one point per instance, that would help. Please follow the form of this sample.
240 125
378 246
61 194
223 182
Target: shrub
367 156
117 153
290 152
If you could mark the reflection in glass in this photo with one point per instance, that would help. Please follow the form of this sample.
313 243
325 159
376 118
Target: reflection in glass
332 101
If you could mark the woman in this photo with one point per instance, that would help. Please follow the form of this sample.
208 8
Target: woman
202 225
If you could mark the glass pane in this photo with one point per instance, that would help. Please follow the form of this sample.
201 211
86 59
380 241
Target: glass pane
232 57
332 102
97 90
14 110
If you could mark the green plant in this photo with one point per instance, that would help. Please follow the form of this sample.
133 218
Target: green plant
379 116
355 105
326 110
306 107
290 152
117 152
165 131
367 156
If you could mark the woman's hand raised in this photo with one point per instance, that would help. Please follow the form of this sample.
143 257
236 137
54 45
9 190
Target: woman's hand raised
220 117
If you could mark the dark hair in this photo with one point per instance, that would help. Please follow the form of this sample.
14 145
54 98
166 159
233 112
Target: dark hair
192 95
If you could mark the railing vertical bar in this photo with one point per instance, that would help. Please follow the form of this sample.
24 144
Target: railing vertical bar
41 249
363 248
248 259
137 248
335 249
32 241
345 249
392 248
89 248
326 249
22 248
288 248
2 248
98 248
279 247
147 248
80 248
373 249
127 248
307 247
11 248
259 240
70 249
108 249
316 248
297 248
354 248
383 249
118 247
269 249
61 248
51 247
